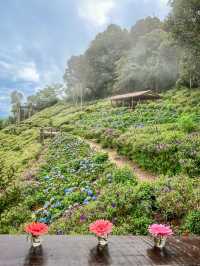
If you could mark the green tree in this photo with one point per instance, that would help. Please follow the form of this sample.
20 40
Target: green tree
151 64
144 26
16 100
184 24
93 74
46 97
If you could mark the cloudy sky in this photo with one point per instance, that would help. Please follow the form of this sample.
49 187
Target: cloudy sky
38 36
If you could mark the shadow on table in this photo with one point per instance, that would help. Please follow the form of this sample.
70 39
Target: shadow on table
158 256
99 256
35 257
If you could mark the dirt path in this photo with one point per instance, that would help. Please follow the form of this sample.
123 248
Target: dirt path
122 161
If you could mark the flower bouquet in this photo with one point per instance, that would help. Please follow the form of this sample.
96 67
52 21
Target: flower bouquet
101 228
160 233
35 230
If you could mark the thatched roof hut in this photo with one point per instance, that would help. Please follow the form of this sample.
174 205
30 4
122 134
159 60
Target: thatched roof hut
131 99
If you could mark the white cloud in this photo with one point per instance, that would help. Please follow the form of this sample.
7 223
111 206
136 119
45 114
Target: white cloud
28 73
96 12
19 71
164 2
4 98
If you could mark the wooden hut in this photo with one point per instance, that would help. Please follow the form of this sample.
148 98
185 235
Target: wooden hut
131 99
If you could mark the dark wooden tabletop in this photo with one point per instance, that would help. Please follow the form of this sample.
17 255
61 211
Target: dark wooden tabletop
82 251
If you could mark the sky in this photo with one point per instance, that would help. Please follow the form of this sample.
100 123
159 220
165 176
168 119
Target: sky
37 37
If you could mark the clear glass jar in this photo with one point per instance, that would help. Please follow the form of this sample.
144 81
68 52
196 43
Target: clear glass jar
160 241
102 241
35 241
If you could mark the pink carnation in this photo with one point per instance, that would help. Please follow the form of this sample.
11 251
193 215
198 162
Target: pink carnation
101 228
160 230
36 229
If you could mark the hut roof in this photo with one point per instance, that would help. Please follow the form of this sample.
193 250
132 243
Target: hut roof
130 95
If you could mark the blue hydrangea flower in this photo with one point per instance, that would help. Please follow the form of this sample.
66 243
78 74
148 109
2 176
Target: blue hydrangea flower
68 190
57 204
85 202
47 177
83 218
89 198
89 192
43 220
113 205
46 205
94 198
45 212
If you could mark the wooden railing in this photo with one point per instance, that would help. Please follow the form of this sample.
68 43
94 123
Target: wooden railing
82 251
48 132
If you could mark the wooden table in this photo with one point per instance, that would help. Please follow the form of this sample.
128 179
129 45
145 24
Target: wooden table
82 251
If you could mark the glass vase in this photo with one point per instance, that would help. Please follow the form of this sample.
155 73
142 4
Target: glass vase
35 241
102 241
160 242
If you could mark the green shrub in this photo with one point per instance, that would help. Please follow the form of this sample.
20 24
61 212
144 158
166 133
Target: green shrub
192 222
175 196
123 175
67 128
187 123
11 219
101 157
11 196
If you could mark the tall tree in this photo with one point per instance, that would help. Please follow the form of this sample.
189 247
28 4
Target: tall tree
102 55
93 73
184 23
16 100
144 26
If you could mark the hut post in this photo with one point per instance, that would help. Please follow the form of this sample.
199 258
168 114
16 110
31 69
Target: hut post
132 102
24 112
18 113
42 135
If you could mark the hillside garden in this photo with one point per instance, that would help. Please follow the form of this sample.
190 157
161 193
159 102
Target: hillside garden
74 184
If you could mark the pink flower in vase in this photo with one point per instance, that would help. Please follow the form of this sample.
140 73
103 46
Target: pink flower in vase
36 229
101 228
160 230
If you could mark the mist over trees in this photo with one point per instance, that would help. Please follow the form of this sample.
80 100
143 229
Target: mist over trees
120 61
152 55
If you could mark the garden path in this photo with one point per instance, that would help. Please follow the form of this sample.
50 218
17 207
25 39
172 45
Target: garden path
122 161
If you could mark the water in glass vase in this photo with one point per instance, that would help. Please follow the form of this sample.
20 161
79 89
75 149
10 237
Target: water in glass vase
35 241
160 242
102 241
